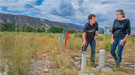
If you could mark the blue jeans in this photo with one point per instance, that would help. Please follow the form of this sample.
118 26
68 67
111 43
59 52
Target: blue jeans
93 45
117 58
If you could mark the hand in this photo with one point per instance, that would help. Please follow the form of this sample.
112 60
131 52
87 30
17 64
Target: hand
84 43
112 42
122 42
95 37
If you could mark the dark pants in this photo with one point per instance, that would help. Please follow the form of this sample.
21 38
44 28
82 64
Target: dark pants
93 45
117 57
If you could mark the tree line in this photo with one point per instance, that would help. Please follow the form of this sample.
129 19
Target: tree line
9 27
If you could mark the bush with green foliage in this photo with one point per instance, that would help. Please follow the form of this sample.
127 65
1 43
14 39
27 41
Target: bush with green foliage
51 35
77 46
107 46
41 29
130 38
10 27
24 28
55 29
107 37
100 38
6 27
69 37
71 31
78 35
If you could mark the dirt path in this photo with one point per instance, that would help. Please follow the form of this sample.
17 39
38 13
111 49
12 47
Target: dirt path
44 66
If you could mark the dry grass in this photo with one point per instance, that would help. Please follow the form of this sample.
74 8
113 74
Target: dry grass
16 50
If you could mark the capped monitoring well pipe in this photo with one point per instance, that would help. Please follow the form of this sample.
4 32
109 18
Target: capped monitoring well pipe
83 62
102 58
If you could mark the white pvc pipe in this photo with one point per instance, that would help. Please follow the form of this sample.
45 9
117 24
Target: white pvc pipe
83 62
102 58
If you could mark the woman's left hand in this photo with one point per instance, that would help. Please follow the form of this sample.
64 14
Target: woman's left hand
122 42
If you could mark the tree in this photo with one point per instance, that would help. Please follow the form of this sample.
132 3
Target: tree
41 29
71 31
7 26
55 29
24 28
3 28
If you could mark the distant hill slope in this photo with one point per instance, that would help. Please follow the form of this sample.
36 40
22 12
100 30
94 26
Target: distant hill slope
101 30
33 22
75 25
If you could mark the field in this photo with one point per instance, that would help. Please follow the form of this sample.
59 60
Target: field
40 54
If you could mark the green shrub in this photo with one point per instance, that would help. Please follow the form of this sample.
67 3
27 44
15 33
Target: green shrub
1 35
108 46
100 38
41 29
107 37
50 35
41 34
78 35
69 37
131 39
77 46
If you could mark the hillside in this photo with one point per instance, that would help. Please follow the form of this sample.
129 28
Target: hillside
33 22
100 30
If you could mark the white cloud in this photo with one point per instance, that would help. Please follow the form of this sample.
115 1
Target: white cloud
0 10
80 9
47 5
107 11
16 4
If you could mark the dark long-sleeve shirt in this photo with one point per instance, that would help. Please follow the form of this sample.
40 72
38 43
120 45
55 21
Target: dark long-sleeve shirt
121 28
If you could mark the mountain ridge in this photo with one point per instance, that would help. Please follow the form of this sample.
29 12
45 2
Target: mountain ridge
33 22
100 29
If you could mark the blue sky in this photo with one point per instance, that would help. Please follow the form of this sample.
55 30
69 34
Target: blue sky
71 11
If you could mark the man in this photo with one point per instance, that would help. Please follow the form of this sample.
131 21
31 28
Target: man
90 32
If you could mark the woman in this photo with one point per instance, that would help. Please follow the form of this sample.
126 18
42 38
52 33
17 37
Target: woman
120 32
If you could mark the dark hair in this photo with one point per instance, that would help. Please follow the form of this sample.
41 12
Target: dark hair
90 16
121 12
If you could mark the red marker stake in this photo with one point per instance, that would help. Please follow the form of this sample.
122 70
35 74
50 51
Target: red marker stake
66 37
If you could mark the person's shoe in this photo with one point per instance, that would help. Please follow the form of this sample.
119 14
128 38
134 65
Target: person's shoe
80 62
116 68
93 65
